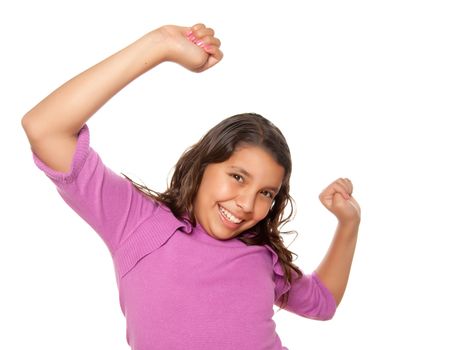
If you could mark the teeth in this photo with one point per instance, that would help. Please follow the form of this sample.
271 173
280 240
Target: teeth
230 216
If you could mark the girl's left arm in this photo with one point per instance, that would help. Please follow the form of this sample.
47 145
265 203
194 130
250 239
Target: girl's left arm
334 269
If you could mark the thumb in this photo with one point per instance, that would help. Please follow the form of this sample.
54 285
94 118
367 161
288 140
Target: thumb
331 200
338 199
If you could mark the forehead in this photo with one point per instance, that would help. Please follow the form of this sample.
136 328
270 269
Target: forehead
258 162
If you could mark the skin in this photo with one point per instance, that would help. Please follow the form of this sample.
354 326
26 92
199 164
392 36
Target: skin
334 270
244 186
53 124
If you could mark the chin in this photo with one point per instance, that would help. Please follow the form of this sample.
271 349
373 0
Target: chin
225 237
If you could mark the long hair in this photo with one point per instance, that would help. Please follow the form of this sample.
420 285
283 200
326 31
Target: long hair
217 146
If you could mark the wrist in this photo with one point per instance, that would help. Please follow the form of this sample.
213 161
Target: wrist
155 48
349 224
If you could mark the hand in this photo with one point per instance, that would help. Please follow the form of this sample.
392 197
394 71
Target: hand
337 198
195 48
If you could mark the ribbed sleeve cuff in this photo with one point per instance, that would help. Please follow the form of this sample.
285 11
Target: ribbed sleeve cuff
331 305
80 154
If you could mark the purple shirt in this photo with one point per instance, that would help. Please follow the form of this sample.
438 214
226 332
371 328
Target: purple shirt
180 288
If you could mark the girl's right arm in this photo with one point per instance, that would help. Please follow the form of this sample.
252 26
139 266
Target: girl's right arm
52 126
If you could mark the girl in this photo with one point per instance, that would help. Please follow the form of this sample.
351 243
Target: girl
201 265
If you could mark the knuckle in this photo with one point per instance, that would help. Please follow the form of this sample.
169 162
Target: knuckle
198 26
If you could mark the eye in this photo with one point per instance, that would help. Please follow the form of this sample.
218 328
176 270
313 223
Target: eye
237 177
268 194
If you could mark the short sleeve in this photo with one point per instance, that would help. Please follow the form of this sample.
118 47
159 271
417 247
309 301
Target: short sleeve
109 203
309 298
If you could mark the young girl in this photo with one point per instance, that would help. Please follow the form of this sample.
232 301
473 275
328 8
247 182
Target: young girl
201 265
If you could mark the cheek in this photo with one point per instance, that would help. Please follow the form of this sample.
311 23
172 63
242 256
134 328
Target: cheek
222 190
262 210
218 189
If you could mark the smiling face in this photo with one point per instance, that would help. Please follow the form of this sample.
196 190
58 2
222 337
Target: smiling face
238 193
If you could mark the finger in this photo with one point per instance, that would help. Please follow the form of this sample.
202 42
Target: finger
198 26
203 36
193 30
347 184
199 31
208 41
341 188
211 41
336 187
203 32
215 53
350 185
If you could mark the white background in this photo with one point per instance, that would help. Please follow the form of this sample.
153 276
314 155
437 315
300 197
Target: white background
382 92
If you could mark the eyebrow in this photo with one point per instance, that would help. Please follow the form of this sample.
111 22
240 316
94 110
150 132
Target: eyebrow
247 174
241 170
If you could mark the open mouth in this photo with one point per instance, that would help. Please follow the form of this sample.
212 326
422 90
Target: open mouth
229 216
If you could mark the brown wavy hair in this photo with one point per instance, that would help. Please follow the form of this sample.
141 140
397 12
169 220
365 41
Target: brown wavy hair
217 146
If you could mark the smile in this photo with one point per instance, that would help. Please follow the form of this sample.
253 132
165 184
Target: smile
229 216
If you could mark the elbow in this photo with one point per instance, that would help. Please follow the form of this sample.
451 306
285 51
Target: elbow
29 128
26 122
35 132
35 129
29 125
322 315
327 313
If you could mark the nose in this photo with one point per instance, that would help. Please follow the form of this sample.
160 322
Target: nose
246 201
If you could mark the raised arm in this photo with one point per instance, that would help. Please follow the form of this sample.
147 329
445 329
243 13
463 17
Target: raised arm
52 125
334 269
